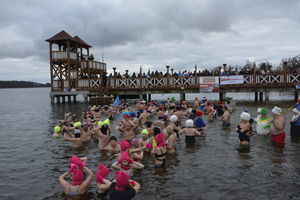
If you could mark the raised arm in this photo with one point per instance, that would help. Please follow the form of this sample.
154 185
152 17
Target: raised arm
62 180
137 165
88 180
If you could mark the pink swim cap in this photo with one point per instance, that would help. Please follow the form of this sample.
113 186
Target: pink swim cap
122 178
124 145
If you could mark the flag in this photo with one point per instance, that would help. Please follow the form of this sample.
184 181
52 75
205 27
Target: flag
116 102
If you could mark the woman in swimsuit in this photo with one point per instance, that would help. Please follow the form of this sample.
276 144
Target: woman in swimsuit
170 140
78 186
126 164
244 129
102 184
159 151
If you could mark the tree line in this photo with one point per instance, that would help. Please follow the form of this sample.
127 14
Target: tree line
22 84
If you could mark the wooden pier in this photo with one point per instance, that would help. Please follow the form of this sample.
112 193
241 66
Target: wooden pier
74 72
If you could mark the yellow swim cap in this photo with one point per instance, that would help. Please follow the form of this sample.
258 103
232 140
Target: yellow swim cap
76 124
94 106
56 129
100 123
106 122
145 132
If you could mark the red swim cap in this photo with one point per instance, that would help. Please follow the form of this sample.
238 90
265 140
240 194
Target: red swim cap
199 113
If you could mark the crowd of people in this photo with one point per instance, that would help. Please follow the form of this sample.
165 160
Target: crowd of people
264 68
153 128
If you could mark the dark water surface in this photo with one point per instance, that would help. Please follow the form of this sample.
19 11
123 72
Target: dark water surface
216 168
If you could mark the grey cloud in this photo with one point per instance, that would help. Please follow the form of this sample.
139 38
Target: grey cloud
154 33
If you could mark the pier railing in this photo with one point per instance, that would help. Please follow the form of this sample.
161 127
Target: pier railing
267 80
94 65
63 55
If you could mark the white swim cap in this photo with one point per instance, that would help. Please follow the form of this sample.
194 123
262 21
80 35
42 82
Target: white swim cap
259 110
277 110
245 116
189 123
173 118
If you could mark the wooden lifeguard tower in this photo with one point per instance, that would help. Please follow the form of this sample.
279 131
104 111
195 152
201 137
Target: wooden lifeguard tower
73 70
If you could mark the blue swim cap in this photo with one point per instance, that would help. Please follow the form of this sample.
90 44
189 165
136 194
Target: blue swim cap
132 114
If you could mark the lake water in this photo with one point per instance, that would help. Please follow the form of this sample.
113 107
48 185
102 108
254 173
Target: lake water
216 168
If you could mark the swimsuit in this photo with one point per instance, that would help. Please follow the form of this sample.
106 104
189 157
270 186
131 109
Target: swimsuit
226 124
190 139
243 135
71 193
158 157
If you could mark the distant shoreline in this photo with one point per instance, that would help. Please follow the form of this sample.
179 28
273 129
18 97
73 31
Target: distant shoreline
22 84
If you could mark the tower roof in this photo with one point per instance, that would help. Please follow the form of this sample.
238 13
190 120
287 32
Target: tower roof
80 41
63 35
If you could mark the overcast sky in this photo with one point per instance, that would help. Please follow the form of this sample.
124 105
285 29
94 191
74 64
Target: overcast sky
152 33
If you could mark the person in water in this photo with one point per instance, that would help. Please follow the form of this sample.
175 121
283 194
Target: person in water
262 122
78 186
113 146
190 132
244 129
198 121
123 188
77 139
102 183
295 123
125 163
226 117
277 126
171 139
159 151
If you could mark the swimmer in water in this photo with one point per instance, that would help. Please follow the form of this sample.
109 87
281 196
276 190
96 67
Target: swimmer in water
125 163
122 187
226 117
277 126
113 146
102 183
78 186
190 132
171 139
56 132
77 140
159 151
244 129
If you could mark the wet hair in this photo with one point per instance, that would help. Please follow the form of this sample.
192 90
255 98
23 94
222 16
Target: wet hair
113 138
148 124
85 128
96 110
104 129
194 111
156 131
160 117
111 117
77 133
71 125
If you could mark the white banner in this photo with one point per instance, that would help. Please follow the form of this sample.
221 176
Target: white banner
209 80
227 80
209 84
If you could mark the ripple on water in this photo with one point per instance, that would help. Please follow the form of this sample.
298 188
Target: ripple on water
215 168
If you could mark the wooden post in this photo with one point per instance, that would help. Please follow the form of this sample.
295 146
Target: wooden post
296 95
141 77
196 77
51 66
149 97
254 76
261 96
74 98
69 99
63 99
168 75
58 99
256 96
115 76
224 66
285 68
